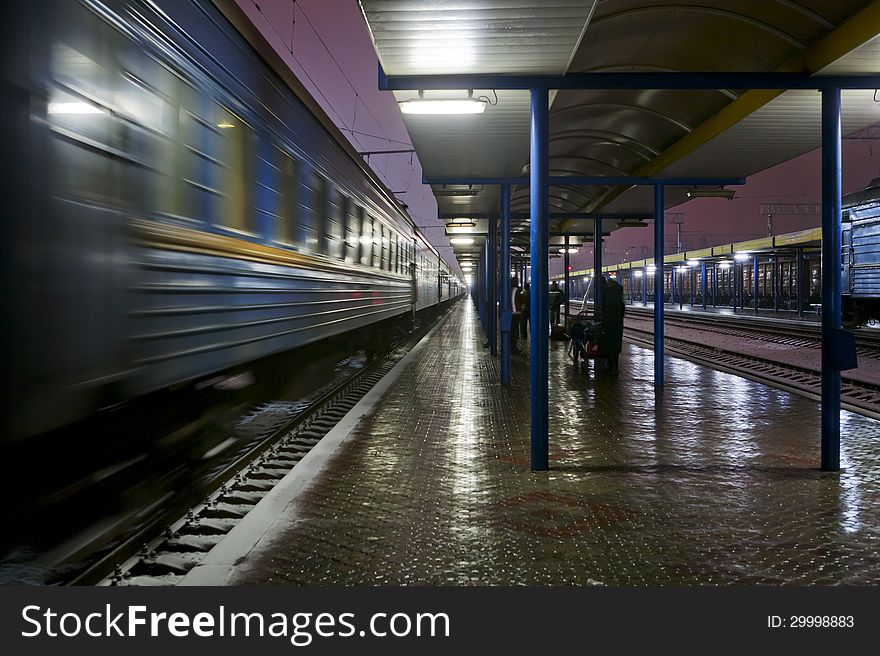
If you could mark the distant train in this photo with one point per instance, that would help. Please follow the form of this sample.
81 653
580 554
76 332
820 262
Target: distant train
174 206
732 283
860 241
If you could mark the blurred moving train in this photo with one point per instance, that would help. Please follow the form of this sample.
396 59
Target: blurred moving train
175 205
732 283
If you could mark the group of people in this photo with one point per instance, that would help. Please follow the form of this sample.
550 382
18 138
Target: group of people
611 316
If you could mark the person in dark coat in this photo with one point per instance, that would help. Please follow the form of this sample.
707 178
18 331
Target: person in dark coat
526 308
612 325
555 299
516 306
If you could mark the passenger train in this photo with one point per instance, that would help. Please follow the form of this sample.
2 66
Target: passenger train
732 283
176 205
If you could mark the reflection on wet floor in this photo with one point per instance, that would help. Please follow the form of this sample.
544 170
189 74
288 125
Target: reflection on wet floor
714 480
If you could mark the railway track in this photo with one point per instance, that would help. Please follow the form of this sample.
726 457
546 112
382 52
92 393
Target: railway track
857 395
166 555
163 538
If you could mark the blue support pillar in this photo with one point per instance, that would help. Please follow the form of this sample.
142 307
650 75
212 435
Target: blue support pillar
680 289
478 289
715 285
565 261
800 282
734 282
658 285
597 267
755 283
539 164
703 285
672 286
506 300
776 283
492 247
831 285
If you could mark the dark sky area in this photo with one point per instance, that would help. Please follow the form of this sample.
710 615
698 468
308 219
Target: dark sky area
327 44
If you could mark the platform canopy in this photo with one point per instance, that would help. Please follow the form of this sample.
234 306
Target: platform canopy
714 133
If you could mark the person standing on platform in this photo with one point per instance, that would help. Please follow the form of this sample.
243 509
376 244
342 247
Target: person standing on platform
526 308
612 325
556 298
516 306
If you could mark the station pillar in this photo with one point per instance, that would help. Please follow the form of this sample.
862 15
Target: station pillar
831 283
492 246
506 300
539 193
658 284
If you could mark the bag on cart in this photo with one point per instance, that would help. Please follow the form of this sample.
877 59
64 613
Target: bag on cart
558 334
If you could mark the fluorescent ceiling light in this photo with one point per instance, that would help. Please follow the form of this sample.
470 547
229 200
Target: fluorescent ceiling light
638 274
457 192
462 240
443 106
571 251
693 263
742 257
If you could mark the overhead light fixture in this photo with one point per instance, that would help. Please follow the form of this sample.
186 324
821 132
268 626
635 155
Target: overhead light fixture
741 257
693 263
470 191
422 105
460 225
571 251
463 241
725 264
711 193
638 273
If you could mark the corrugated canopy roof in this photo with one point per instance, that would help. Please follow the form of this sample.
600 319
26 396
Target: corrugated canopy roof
718 133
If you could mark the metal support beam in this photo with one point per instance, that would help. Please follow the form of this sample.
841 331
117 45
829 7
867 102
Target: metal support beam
539 166
658 285
800 282
755 283
586 180
566 267
597 268
645 286
831 284
636 81
715 285
492 247
776 278
620 216
703 285
506 306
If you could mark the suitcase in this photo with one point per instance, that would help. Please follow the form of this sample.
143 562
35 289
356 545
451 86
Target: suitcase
557 333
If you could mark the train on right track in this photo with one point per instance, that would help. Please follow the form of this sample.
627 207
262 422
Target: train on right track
777 278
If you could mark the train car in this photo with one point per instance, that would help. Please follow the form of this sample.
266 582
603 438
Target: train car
177 206
860 255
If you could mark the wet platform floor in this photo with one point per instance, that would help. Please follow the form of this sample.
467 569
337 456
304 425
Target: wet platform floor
712 481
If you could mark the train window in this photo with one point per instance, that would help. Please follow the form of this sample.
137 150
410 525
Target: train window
383 247
312 213
335 215
395 253
77 107
376 261
235 169
288 186
367 240
354 220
